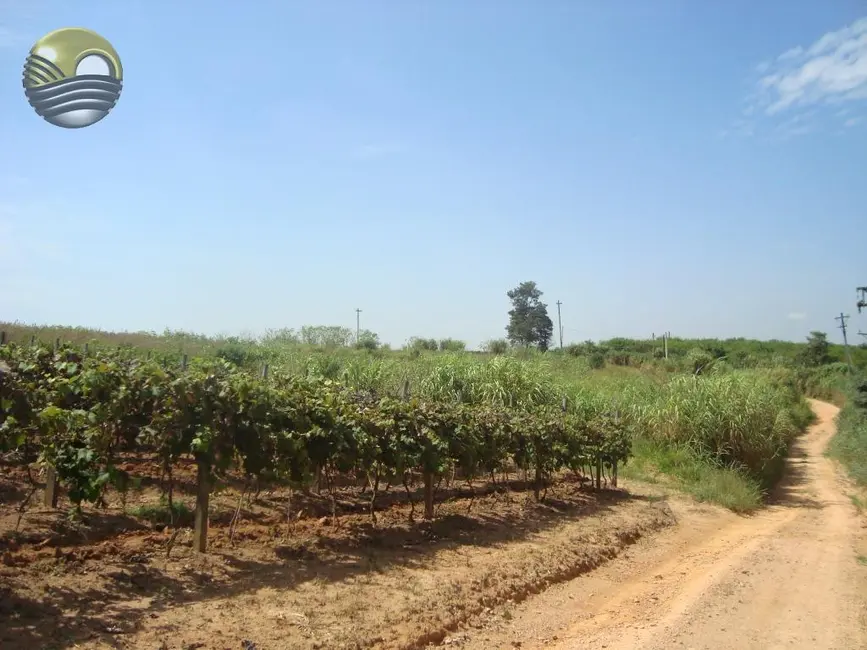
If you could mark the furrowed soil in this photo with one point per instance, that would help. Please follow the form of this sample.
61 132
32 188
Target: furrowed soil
306 580
622 568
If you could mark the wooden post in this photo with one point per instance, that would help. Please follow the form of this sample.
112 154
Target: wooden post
563 404
50 496
203 494
184 362
404 389
32 340
3 337
428 495
86 348
265 371
57 344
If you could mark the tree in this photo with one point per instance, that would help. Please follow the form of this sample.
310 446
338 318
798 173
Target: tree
816 352
367 340
529 323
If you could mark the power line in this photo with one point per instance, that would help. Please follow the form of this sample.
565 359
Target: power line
842 318
560 324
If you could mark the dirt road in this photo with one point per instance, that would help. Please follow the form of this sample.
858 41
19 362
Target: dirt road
792 576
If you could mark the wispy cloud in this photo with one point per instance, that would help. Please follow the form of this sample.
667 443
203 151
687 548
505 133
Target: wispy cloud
797 315
830 71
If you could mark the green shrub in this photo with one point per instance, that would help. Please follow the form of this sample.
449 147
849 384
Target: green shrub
596 360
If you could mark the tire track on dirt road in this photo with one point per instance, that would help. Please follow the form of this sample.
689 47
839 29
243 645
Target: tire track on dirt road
787 577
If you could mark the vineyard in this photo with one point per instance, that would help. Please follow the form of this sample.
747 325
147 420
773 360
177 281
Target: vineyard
78 415
444 483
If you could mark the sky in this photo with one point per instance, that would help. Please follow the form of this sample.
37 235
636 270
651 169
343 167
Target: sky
695 167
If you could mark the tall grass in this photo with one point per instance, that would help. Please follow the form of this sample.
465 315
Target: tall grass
743 418
849 446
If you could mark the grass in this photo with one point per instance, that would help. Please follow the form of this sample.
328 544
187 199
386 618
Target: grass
679 466
721 437
160 514
849 445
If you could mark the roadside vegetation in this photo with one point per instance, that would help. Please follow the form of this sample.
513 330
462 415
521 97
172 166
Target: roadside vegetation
849 446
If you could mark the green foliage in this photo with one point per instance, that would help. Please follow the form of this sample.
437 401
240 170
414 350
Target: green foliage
497 346
817 351
79 412
698 359
849 445
596 360
420 344
452 345
367 340
704 477
326 336
529 323
235 353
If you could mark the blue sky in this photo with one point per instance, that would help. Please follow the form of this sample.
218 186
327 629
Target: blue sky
697 167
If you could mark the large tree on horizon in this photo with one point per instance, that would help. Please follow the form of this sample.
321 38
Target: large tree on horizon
529 323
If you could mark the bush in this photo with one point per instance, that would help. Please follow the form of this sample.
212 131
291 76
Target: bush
452 345
497 346
596 360
419 344
235 353
698 359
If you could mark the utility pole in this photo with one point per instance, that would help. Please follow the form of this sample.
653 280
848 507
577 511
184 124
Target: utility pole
560 324
842 318
357 325
665 337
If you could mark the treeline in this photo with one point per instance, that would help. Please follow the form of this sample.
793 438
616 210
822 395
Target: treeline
814 352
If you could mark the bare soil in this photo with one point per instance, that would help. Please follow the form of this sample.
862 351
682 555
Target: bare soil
616 569
327 576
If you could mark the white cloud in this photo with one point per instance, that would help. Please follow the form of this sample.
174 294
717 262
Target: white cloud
829 74
797 315
794 53
833 69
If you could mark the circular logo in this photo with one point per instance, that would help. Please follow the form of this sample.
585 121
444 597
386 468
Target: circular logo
72 77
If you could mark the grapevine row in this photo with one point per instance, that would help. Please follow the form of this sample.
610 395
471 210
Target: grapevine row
75 413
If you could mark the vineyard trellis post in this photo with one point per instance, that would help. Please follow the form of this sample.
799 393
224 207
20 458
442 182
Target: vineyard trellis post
614 459
50 496
203 494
